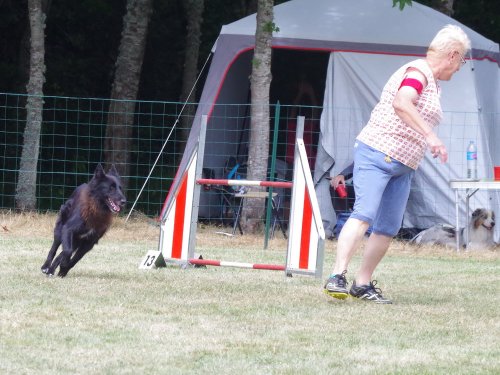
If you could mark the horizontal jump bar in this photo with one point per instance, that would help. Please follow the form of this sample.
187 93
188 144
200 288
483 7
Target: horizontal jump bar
219 263
276 184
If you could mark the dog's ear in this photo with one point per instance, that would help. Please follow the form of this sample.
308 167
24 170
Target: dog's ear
99 171
478 218
112 171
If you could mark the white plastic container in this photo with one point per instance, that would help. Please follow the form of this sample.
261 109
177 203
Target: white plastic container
472 161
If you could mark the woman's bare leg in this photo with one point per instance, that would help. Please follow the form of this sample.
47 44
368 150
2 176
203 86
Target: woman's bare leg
351 235
374 251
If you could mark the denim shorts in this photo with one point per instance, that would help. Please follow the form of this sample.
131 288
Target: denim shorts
382 186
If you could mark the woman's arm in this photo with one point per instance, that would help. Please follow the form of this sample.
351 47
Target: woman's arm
404 105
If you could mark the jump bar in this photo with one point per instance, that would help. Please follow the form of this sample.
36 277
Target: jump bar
276 184
255 266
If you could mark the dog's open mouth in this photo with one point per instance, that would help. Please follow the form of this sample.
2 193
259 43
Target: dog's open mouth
112 206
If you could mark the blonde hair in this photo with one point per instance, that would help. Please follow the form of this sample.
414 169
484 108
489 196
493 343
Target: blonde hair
449 38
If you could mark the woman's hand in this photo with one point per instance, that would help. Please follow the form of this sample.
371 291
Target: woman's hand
338 179
436 147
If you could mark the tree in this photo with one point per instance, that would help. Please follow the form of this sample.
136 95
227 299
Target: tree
26 184
259 126
119 128
446 7
194 12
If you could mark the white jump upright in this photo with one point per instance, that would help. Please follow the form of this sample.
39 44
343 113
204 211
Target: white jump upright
176 235
179 218
306 239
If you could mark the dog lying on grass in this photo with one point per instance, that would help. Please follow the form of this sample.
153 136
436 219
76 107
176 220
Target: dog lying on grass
480 233
84 219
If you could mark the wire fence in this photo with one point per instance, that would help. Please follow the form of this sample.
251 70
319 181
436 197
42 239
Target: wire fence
72 144
73 141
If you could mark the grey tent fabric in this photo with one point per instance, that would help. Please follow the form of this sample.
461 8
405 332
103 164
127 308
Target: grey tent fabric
368 40
353 93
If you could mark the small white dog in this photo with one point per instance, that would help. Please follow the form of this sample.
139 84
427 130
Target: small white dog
480 233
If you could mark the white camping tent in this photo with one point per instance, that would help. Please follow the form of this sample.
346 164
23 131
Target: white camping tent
367 40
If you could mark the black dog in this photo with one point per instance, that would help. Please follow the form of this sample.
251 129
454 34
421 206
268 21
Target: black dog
84 219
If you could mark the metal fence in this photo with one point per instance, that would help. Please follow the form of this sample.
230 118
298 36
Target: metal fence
72 144
73 135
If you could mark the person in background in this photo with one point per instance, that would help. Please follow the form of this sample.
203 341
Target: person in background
305 104
387 152
341 177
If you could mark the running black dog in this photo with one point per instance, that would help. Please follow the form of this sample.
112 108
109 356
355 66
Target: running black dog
84 219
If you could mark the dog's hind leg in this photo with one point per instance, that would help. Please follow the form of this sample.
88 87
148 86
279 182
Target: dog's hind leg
80 252
52 252
52 268
69 259
64 261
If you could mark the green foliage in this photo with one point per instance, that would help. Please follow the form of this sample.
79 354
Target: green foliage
402 3
255 62
270 27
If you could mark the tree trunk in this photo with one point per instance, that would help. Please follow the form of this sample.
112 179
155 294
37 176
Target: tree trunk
119 130
258 152
26 184
446 7
23 66
194 15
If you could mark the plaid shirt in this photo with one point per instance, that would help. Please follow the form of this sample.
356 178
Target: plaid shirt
387 133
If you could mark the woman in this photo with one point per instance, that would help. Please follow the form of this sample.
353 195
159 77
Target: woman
387 152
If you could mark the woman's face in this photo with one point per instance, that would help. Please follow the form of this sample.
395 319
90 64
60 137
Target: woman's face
454 60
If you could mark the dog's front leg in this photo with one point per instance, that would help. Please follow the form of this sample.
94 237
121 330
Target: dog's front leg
50 256
64 258
52 268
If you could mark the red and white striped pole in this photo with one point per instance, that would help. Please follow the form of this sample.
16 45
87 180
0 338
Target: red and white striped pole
306 234
276 184
221 263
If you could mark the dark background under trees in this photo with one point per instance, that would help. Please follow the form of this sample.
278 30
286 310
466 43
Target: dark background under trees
82 39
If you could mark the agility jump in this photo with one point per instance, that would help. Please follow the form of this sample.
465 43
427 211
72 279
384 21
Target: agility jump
179 218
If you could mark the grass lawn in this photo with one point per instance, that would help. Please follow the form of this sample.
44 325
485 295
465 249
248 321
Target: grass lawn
109 317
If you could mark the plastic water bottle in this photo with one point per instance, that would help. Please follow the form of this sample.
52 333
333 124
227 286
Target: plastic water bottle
472 161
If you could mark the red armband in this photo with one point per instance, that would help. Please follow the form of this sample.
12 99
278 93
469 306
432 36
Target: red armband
412 82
